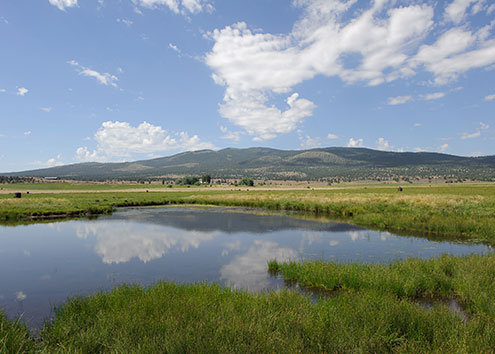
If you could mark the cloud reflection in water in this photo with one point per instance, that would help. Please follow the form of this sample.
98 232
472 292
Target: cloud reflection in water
249 270
231 246
119 242
357 235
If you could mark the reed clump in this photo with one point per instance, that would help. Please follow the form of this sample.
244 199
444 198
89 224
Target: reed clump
468 279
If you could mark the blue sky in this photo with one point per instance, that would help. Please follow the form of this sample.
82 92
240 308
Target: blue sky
121 80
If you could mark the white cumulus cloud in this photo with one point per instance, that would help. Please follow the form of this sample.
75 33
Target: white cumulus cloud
490 98
178 6
474 135
175 49
125 21
121 140
456 10
229 135
51 162
249 110
455 52
359 42
382 144
83 154
103 78
62 4
307 142
21 91
433 96
443 148
392 101
477 133
233 136
355 142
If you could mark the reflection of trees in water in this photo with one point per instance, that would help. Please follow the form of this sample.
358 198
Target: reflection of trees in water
228 221
249 270
119 242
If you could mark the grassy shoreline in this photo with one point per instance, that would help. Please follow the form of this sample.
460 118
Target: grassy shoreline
466 212
374 311
467 279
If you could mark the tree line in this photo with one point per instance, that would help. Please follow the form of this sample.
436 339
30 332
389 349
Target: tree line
206 179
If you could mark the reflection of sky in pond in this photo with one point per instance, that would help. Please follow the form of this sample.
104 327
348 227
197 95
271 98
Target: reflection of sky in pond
43 264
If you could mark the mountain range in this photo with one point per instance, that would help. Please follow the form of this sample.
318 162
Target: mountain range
333 163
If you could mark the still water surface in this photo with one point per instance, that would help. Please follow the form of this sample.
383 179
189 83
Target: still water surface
43 264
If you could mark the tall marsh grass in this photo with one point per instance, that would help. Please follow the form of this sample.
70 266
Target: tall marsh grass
468 279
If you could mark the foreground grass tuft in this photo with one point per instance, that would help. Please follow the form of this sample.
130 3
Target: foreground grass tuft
14 337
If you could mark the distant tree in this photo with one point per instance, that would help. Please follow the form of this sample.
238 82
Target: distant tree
206 178
246 181
5 179
188 180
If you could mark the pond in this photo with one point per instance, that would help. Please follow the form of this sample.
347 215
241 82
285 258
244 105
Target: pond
43 264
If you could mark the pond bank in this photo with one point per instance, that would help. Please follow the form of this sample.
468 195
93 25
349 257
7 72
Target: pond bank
373 312
466 212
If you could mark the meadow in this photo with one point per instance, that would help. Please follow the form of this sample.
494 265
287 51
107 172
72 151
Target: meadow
465 211
362 308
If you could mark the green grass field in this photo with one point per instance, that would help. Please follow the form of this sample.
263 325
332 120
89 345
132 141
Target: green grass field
466 212
78 186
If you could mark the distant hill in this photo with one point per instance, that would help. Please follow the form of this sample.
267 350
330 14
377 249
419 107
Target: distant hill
263 163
